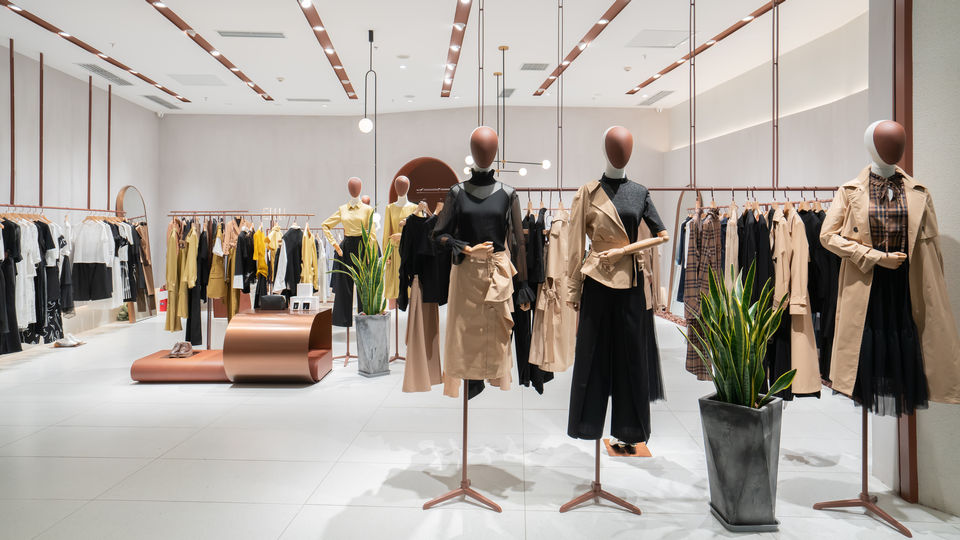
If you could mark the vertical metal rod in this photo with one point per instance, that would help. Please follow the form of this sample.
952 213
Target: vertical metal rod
463 471
209 323
775 94
864 465
503 68
13 137
109 136
40 169
597 464
692 84
499 135
89 136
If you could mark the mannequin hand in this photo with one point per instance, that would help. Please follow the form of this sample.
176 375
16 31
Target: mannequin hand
480 250
611 256
892 260
525 307
336 247
574 305
395 237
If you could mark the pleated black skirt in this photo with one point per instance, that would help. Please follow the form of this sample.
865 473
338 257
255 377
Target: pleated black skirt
342 284
890 376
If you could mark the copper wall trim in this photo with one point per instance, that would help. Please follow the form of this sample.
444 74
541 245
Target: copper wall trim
326 43
461 16
266 346
90 49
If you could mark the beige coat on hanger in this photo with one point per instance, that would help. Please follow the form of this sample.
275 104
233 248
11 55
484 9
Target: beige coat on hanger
846 232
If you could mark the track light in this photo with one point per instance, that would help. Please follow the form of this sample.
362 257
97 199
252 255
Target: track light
306 3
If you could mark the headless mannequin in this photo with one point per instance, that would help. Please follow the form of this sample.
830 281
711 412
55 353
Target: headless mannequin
354 185
483 147
885 141
617 144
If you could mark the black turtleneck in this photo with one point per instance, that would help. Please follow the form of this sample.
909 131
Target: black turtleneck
633 203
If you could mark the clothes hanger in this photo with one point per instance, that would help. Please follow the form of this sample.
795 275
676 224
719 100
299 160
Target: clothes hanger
438 208
529 204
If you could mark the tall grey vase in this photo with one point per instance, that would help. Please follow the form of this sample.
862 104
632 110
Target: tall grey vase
373 344
743 453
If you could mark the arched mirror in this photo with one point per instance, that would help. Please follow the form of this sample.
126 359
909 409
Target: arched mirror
130 202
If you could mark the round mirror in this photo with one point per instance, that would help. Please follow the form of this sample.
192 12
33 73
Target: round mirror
130 202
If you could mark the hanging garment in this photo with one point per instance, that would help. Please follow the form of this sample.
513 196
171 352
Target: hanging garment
846 232
194 332
684 241
616 352
554 323
290 263
217 283
92 251
754 243
803 343
342 284
703 255
146 258
309 272
422 367
731 250
479 320
828 267
10 338
391 225
530 374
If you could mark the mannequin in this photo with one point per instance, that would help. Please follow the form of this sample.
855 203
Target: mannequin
885 141
481 226
395 215
353 216
611 279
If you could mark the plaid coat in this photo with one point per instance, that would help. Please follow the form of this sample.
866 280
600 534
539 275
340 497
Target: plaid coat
703 253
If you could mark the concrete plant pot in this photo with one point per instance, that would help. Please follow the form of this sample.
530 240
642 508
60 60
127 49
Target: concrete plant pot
373 344
743 454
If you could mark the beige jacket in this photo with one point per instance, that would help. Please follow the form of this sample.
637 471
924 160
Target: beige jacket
846 232
593 215
554 323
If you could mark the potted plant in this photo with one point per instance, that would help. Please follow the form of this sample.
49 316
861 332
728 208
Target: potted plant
741 426
373 322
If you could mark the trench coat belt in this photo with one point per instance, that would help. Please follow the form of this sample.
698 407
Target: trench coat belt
598 247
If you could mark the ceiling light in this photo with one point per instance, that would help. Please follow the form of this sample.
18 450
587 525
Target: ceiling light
234 69
15 8
215 53
456 97
329 50
682 60
409 101
748 18
344 81
656 75
101 55
306 3
365 124
448 80
464 1
565 63
454 48
403 66
645 96
602 21
468 160
711 42
157 85
132 72
459 26
546 164
250 84
522 171
318 28
63 34
451 66
337 67
159 4
552 77
466 170
582 45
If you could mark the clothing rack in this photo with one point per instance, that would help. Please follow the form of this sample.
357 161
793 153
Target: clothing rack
64 208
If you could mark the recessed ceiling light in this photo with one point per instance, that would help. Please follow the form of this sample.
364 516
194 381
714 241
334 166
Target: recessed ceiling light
133 72
711 42
306 3
101 55
318 28
602 21
565 63
456 97
159 4
448 80
459 26
215 53
645 96
552 77
63 34
329 50
250 84
15 8
464 1
234 69
748 18
409 101
157 85
454 47
451 66
656 75
344 81
582 45
403 66
682 60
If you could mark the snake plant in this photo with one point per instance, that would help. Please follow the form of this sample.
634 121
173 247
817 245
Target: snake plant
732 339
366 271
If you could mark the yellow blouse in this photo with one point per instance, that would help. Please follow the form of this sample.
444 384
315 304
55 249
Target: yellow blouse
353 217
260 252
310 271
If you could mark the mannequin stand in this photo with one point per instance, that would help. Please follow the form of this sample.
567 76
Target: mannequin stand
464 488
348 356
596 492
865 500
396 336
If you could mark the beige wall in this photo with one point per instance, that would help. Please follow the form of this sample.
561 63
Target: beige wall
936 138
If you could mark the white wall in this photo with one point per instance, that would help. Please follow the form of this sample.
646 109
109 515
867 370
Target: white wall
936 138
302 163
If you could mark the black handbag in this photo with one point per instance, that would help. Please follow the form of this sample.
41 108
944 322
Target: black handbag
273 302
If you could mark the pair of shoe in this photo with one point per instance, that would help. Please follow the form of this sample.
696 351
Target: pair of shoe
624 448
182 349
68 340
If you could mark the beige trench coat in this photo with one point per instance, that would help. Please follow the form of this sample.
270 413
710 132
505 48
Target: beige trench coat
846 232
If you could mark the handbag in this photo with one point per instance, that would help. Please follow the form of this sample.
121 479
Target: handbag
273 302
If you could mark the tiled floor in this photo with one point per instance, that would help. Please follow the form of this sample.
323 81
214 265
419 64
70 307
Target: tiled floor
86 453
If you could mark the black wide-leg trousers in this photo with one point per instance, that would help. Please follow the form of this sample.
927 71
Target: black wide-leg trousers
616 357
342 284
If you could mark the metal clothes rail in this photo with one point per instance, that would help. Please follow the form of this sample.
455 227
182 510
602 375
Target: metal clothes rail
64 208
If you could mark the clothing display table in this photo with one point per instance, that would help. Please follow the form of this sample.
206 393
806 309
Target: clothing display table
278 346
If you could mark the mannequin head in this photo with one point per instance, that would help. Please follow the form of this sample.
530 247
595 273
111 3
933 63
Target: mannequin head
402 185
354 185
617 147
483 147
885 141
365 199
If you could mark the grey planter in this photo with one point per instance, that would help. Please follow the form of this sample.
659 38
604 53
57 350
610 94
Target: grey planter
743 454
373 344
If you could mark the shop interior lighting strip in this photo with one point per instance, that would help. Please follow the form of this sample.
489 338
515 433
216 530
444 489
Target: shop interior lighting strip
323 38
87 47
460 18
584 42
706 45
206 46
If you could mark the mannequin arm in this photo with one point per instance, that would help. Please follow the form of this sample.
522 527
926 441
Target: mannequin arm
326 227
613 255
830 236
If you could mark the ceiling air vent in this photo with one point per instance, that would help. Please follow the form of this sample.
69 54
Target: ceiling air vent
507 92
659 39
308 99
97 70
162 102
246 34
655 98
533 67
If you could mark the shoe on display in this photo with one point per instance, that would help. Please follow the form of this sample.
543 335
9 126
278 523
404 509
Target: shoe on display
75 339
186 350
175 350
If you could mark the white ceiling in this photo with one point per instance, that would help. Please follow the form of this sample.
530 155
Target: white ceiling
296 67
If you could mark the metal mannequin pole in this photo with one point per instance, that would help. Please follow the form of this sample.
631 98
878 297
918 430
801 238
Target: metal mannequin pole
597 492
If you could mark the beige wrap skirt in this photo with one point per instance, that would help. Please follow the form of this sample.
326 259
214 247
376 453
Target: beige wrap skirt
479 322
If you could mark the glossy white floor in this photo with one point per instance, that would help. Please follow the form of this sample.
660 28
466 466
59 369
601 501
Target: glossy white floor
86 453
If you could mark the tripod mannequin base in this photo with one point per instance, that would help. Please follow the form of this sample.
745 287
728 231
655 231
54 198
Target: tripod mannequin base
466 491
596 493
869 503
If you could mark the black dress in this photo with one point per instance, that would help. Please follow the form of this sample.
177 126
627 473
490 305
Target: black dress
530 374
616 353
754 237
10 339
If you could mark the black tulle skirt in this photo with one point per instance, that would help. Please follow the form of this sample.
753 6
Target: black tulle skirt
890 376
